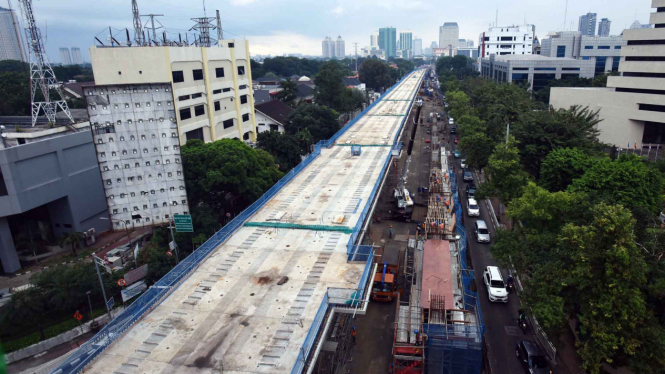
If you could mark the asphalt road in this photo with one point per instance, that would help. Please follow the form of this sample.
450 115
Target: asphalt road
501 330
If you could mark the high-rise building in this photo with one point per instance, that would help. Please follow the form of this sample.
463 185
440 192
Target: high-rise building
631 106
388 41
433 45
374 40
510 40
11 44
340 53
135 133
448 35
406 43
604 27
328 47
417 47
212 86
77 59
587 25
603 51
638 25
65 57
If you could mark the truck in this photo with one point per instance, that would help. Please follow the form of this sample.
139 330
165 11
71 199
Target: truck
384 288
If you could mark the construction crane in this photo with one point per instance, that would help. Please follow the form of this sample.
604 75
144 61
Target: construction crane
42 77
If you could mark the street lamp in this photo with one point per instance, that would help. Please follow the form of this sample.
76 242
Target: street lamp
123 223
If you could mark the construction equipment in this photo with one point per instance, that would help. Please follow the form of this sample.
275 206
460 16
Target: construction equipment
404 203
384 288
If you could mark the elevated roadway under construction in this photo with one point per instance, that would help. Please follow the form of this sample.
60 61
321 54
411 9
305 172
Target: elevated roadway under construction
248 307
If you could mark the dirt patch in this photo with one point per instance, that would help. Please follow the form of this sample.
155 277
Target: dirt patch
266 277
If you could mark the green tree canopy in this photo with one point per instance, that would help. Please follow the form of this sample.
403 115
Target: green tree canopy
321 122
289 91
374 73
330 90
505 177
562 166
285 148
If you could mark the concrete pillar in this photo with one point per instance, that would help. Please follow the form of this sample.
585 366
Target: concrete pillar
8 255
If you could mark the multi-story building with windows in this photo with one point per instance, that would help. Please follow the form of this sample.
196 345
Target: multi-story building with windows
327 48
604 27
417 47
211 86
632 106
533 71
77 59
135 133
388 41
340 51
65 57
448 35
406 43
604 52
11 44
587 25
510 40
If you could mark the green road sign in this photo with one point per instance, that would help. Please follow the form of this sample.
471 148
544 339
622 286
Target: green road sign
183 223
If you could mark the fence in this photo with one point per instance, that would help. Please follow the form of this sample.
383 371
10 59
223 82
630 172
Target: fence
156 293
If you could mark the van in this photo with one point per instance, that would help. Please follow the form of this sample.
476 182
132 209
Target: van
481 231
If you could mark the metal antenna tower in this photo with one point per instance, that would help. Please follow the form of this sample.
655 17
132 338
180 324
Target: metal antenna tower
138 29
204 25
42 77
220 32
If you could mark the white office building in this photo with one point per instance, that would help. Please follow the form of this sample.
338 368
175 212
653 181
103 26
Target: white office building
135 132
507 40
417 47
212 86
448 35
374 41
604 52
328 48
340 52
65 57
632 106
11 43
77 59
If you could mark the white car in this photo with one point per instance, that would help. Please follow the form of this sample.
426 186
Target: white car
463 163
451 121
496 288
473 210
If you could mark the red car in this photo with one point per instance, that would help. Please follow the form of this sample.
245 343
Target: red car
456 139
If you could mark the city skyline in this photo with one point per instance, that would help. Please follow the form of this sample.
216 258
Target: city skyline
283 31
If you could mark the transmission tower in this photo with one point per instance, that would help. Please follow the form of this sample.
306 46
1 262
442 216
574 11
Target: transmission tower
152 21
204 25
138 29
42 77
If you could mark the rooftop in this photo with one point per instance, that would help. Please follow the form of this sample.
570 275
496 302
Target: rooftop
437 274
276 110
531 58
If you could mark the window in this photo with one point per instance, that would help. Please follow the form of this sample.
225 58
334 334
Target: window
228 123
130 179
615 63
178 77
199 110
171 188
166 148
226 90
183 97
108 182
136 164
545 69
195 134
242 86
115 211
586 58
617 47
588 47
603 47
154 205
196 95
217 106
147 104
197 74
541 80
219 72
241 70
600 64
245 117
231 45
243 99
173 135
138 105
185 113
175 203
179 174
169 174
570 69
561 51
215 92
273 128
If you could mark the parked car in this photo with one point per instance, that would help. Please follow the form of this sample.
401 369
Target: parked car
456 139
468 175
532 358
453 130
496 287
462 163
470 190
451 121
481 231
473 210
457 153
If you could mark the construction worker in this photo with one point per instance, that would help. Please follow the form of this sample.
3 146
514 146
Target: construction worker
391 369
353 335
390 231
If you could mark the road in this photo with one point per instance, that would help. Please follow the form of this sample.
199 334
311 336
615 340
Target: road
501 330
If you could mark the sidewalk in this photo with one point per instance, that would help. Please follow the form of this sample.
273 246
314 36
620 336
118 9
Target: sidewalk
105 242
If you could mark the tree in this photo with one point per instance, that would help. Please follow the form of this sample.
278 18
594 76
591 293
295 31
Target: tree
459 104
477 148
285 148
72 238
227 175
353 99
375 75
543 95
289 91
562 166
321 122
539 132
627 181
330 90
505 177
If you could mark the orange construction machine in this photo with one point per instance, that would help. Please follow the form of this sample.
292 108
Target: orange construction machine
385 281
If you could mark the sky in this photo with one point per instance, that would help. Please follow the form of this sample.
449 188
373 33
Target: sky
277 27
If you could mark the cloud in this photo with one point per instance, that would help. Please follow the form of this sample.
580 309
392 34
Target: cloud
280 42
338 10
241 2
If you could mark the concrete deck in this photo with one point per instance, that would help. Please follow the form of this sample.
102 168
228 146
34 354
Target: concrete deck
230 315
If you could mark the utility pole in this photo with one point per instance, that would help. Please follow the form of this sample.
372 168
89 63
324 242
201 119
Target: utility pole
92 318
138 32
355 45
101 284
507 131
175 245
152 21
565 15
220 32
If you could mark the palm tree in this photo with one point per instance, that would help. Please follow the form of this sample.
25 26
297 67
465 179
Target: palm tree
74 238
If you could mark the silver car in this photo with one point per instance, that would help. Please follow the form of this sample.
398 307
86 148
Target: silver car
481 231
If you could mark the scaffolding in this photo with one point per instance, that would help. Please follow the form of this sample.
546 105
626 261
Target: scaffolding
440 222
